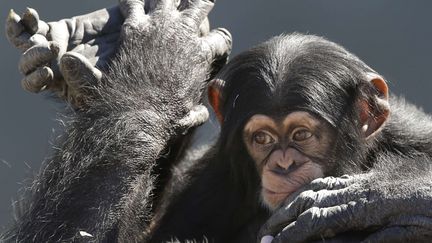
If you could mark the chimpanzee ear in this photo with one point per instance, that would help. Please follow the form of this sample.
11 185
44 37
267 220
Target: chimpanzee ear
215 96
375 110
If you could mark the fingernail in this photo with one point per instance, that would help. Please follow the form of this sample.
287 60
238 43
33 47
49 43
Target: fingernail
267 239
13 28
47 73
43 88
12 14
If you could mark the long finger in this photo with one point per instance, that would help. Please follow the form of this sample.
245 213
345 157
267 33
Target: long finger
318 223
18 36
307 200
220 43
37 80
133 12
15 32
13 25
327 183
33 24
166 5
198 10
37 56
288 214
204 27
78 72
331 183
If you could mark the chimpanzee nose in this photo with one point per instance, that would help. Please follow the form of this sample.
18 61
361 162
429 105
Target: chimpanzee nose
285 161
281 161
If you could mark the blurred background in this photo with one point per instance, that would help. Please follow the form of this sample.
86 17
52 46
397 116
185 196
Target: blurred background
392 36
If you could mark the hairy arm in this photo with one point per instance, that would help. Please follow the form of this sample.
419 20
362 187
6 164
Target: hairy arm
99 184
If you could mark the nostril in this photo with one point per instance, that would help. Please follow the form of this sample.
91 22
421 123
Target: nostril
279 169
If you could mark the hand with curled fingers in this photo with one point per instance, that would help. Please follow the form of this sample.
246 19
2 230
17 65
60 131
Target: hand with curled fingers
351 209
175 60
92 38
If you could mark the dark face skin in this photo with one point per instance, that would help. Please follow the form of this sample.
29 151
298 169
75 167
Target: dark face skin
288 152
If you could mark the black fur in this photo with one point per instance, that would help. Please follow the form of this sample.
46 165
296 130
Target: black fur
102 177
108 166
293 72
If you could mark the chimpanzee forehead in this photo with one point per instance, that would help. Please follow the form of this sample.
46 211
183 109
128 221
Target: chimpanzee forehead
280 98
294 72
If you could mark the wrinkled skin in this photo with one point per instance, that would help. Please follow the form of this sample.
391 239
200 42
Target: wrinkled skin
117 139
326 208
92 38
329 207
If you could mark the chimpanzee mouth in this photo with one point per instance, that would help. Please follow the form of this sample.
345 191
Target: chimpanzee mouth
265 190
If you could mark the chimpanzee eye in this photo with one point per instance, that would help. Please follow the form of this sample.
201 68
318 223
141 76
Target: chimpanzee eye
263 138
302 135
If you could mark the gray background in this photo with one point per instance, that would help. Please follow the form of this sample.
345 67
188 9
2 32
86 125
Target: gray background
392 36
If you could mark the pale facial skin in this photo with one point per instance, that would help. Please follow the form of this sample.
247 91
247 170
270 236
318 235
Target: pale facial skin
284 151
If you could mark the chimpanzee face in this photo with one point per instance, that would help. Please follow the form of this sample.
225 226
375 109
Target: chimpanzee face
289 152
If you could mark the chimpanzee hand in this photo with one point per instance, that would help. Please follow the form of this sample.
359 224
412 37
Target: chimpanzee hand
353 209
93 36
172 60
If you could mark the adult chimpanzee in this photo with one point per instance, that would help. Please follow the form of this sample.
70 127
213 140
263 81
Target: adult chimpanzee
293 109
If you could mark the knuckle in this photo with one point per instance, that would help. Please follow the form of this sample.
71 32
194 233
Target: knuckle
225 33
38 39
310 218
307 196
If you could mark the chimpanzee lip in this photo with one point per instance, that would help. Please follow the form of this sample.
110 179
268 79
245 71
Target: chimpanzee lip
273 192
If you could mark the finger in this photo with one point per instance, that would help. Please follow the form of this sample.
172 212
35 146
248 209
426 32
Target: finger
205 27
13 25
78 72
220 43
309 199
30 20
38 39
197 116
133 12
37 56
198 10
37 80
166 5
33 24
288 214
15 32
267 239
317 223
327 183
331 183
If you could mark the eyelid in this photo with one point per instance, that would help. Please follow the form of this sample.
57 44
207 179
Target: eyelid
275 138
301 129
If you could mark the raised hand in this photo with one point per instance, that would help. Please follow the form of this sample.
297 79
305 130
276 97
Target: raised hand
171 59
94 37
351 209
